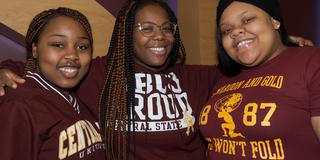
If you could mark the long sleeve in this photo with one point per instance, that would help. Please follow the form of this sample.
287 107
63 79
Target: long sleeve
91 86
17 135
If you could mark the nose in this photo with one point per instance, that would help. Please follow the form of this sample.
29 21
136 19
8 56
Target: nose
158 34
72 54
237 32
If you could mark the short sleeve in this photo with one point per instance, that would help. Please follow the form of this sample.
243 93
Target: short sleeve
313 79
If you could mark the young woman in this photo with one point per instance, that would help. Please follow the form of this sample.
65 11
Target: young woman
266 106
43 119
150 101
144 81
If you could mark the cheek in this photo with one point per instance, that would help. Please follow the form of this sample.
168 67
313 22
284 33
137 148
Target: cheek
171 42
135 46
260 27
47 58
85 59
138 39
227 43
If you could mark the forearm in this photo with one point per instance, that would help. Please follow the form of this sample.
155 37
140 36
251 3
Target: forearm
316 125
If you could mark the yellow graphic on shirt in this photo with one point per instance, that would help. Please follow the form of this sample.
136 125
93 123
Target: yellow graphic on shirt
272 81
82 138
254 114
187 118
224 107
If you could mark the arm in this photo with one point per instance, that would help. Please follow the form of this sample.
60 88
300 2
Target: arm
313 85
316 125
16 134
8 77
92 84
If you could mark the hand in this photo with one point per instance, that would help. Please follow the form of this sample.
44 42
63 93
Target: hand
300 41
10 79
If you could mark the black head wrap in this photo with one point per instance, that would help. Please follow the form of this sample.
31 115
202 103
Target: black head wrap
271 7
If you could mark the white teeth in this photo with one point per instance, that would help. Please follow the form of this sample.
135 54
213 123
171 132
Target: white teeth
157 49
69 69
244 43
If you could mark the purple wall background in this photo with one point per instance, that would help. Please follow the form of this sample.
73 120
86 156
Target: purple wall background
12 44
317 8
301 18
113 6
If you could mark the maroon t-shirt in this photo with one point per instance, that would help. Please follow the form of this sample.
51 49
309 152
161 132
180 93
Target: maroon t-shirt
265 112
167 105
38 122
163 99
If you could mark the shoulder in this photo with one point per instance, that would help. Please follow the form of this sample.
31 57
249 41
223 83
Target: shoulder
97 69
303 51
27 94
198 74
99 61
300 56
27 90
14 104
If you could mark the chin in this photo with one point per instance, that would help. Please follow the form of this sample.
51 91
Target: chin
68 85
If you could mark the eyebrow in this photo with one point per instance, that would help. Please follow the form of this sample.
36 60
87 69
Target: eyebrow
61 35
56 35
154 22
241 14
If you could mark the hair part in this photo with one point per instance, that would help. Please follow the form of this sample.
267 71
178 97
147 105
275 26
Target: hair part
40 21
117 97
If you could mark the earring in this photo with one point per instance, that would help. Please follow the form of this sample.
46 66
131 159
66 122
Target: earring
34 54
278 26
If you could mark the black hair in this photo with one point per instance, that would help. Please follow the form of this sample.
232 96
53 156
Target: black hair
117 97
40 21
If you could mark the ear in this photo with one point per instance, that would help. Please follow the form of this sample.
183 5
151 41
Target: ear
34 50
276 24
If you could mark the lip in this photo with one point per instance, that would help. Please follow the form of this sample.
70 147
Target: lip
69 70
158 50
243 43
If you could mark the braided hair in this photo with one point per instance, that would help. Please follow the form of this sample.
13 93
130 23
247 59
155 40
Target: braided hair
41 20
117 97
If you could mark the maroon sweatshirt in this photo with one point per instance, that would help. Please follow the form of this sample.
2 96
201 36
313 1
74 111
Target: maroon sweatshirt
39 122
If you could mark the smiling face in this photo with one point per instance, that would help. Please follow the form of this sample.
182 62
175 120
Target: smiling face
63 52
152 52
249 35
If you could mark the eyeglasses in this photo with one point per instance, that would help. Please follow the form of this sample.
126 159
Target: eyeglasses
148 29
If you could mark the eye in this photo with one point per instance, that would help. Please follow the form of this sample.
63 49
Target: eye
167 29
83 47
146 28
57 44
248 20
226 31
